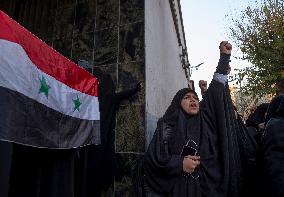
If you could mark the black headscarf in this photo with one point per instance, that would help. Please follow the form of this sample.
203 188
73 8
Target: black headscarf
276 108
172 113
258 116
185 127
177 127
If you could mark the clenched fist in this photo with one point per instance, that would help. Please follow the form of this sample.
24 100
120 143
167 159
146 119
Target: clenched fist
203 85
225 47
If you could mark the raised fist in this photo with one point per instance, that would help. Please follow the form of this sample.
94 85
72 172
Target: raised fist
225 47
203 85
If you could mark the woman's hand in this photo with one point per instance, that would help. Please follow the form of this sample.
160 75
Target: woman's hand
190 163
225 47
203 86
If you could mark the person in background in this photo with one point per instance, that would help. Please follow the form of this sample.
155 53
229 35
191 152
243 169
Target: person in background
102 160
280 85
256 120
279 91
272 150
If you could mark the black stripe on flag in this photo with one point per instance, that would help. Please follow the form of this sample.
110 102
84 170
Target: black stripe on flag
26 121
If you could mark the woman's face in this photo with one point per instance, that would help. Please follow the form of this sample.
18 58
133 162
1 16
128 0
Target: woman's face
190 104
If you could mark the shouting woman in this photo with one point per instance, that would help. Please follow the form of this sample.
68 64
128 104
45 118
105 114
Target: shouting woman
195 148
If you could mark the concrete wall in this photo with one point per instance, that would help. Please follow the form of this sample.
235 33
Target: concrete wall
164 73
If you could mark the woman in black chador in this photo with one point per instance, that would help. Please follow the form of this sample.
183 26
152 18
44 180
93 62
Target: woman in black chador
214 169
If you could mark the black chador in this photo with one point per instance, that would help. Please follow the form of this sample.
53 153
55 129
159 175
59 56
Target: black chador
215 130
272 154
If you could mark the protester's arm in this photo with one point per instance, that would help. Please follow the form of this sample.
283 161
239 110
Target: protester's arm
220 78
218 91
203 87
223 65
219 82
127 93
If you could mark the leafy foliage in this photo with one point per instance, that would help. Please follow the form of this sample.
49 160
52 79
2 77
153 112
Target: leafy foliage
259 33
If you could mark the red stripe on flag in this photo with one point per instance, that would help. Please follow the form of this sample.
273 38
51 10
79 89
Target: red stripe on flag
47 59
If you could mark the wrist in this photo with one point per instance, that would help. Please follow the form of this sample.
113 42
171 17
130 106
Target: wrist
225 55
223 64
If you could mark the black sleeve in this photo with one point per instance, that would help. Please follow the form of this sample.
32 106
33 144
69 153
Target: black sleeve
218 84
223 64
218 89
203 93
161 168
224 131
272 156
127 93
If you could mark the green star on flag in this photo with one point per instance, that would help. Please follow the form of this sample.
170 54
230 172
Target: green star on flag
77 104
44 88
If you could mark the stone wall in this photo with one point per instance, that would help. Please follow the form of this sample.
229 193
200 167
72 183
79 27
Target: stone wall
108 34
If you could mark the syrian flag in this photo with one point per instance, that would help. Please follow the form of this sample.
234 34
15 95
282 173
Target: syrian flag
45 99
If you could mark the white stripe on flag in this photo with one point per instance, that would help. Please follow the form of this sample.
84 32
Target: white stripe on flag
18 73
